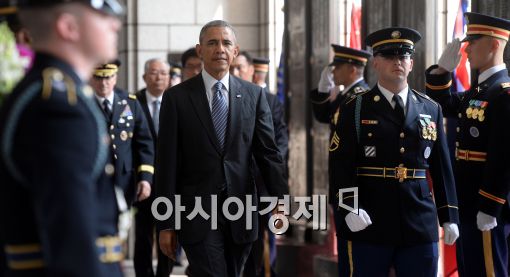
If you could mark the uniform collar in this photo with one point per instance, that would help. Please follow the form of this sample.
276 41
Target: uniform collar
109 98
347 88
389 95
489 72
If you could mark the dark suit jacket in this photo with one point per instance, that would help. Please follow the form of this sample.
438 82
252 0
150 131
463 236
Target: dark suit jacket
190 163
142 98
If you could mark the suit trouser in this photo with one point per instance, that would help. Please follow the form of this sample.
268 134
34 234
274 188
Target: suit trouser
144 240
482 253
255 262
373 260
217 254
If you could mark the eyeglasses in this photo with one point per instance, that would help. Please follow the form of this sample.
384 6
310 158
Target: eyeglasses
160 73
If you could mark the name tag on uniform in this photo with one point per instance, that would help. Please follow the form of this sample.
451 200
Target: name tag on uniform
369 122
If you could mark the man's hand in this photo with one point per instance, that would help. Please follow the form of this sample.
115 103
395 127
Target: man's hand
168 243
326 82
485 222
143 190
358 222
450 58
451 232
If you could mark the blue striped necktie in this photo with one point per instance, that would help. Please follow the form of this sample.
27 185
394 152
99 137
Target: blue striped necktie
219 114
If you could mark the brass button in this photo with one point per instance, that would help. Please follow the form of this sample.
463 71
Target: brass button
370 135
457 144
458 129
402 135
402 150
109 169
114 146
111 127
460 115
112 136
401 165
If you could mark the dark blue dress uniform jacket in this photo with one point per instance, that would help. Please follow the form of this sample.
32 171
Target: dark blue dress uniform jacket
328 112
53 143
482 183
132 146
403 213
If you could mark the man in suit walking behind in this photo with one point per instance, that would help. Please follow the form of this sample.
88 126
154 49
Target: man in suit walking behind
157 79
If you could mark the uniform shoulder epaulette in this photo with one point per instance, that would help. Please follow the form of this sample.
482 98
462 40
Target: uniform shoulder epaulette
132 96
354 96
55 80
424 96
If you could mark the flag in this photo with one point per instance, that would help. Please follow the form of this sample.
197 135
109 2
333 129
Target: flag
461 75
280 80
355 37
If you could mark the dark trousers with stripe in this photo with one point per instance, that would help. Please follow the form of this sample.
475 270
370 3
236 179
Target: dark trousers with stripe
372 260
482 253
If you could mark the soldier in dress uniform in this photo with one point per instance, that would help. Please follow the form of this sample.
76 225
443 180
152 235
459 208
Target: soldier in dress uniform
132 144
482 164
54 144
386 140
346 69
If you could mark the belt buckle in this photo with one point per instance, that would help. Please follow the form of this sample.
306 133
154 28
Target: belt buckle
467 155
400 173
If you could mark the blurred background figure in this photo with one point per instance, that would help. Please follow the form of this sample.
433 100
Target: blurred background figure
191 64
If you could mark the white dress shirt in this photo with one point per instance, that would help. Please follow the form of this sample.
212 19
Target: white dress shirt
150 101
210 81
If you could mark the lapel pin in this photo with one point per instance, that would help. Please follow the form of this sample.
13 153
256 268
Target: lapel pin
238 95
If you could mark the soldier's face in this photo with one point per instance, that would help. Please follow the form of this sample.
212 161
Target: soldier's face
103 87
157 77
480 52
99 35
393 69
218 48
242 69
340 73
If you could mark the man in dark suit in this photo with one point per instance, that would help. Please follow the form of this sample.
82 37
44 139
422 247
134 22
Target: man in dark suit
210 128
481 166
259 261
157 79
387 138
54 146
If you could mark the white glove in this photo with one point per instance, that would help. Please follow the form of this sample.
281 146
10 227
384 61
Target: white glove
326 82
485 222
451 232
450 58
358 222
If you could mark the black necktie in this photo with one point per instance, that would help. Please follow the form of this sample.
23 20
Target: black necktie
107 110
399 107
